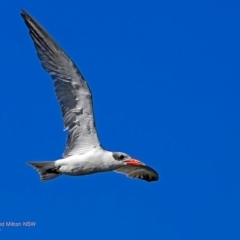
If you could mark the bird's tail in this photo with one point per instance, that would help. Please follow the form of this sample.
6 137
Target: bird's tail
47 170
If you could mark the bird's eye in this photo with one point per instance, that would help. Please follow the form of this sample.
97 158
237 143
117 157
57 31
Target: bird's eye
121 157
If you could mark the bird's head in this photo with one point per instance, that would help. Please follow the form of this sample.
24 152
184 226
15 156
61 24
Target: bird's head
133 168
126 159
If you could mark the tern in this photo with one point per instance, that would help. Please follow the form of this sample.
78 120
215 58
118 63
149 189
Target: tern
84 154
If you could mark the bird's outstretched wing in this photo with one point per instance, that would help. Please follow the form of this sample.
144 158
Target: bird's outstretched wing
142 172
72 91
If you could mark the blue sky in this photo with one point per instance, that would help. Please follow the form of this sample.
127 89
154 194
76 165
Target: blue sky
165 80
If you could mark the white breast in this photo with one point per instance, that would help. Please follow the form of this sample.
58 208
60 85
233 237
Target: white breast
96 160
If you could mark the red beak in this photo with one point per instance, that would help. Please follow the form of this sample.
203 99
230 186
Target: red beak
133 162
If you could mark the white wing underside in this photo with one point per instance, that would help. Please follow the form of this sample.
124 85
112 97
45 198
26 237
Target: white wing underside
71 89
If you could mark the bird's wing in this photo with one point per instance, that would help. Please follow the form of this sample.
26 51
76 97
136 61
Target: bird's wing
71 89
142 172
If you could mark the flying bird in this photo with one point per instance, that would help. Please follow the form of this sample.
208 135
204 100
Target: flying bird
84 154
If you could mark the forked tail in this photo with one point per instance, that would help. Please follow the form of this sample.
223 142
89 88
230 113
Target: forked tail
47 170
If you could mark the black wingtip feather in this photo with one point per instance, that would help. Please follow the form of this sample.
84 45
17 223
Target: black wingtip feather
24 14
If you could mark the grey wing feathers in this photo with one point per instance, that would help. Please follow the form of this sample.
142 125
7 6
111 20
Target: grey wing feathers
141 172
71 89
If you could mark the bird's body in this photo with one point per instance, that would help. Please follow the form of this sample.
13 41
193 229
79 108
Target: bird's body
96 160
84 154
